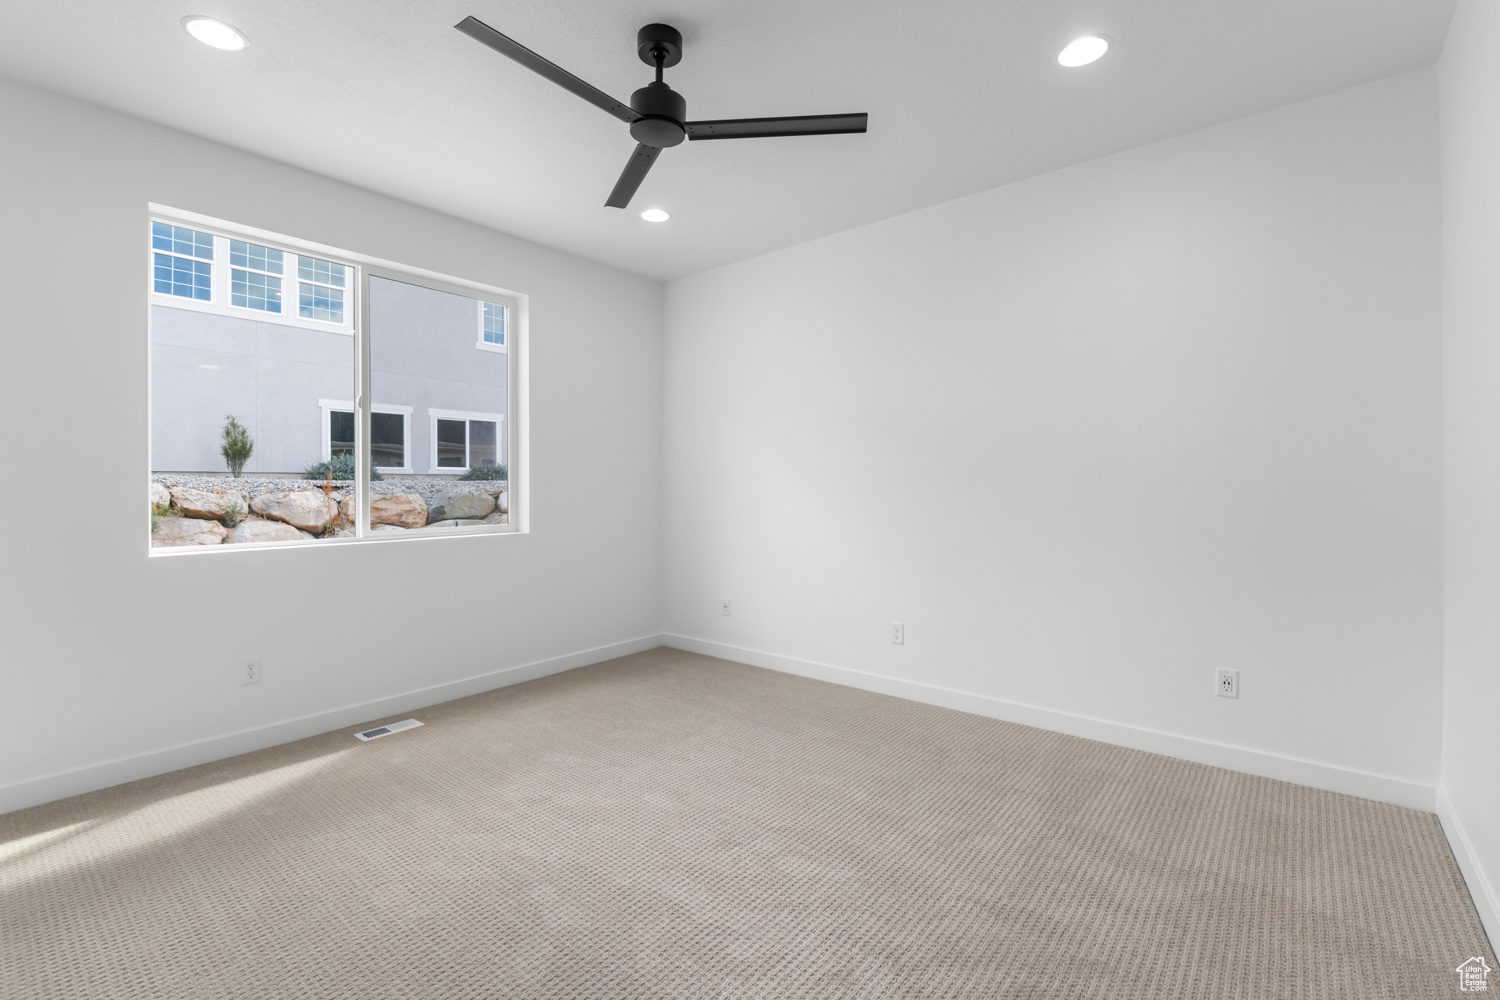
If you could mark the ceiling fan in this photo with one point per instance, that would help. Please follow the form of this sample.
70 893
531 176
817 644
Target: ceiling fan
656 114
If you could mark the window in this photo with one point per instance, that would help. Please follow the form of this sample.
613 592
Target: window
181 262
276 364
259 288
390 430
492 316
260 278
464 441
320 289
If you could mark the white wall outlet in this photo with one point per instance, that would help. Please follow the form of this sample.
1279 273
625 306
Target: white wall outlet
724 606
250 670
1227 683
898 633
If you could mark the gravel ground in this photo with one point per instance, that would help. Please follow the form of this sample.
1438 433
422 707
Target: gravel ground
428 487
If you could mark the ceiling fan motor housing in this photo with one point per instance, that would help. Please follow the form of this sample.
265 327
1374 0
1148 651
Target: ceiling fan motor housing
662 112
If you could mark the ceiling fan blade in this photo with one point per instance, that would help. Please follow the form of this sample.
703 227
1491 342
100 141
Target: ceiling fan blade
481 32
755 128
630 178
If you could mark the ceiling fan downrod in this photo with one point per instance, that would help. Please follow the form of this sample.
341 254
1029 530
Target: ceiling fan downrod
661 108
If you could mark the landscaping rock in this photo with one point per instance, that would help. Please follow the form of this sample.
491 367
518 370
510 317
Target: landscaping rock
459 522
258 530
497 518
309 510
405 510
502 502
387 527
159 495
461 506
215 504
187 531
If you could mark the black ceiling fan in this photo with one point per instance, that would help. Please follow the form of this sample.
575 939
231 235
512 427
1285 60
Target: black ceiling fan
657 114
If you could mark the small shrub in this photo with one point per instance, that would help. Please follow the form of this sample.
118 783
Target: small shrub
161 511
486 473
234 512
342 467
237 445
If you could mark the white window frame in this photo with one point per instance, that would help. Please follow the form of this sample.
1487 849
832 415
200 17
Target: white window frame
483 344
219 275
327 406
433 416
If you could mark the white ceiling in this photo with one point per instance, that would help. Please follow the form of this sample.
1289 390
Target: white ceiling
963 96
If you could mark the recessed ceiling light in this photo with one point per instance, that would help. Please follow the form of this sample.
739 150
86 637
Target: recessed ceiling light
216 33
1082 51
656 215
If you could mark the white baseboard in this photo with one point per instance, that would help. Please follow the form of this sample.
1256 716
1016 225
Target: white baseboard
62 784
1481 889
1330 777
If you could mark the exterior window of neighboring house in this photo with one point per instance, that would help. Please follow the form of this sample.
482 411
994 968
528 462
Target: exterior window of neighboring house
260 277
492 319
390 432
464 441
255 276
182 262
320 289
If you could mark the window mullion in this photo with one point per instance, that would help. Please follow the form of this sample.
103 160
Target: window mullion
362 399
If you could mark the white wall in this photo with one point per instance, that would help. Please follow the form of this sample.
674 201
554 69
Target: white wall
106 654
1469 80
1091 436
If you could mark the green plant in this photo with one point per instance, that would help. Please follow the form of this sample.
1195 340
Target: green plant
342 468
487 473
237 445
159 511
234 512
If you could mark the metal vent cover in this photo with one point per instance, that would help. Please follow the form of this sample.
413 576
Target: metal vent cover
386 730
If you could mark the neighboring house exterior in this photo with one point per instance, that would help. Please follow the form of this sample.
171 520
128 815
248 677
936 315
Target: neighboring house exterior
266 335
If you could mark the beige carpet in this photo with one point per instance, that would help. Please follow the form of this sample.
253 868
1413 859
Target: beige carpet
668 826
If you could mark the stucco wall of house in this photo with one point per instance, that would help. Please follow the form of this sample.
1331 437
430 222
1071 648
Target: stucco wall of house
204 367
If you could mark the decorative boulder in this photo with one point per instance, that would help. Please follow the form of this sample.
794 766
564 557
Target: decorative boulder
404 510
499 517
159 495
461 506
502 502
215 504
187 531
257 530
309 510
387 527
455 522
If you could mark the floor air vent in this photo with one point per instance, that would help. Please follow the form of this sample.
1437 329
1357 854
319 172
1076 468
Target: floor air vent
394 727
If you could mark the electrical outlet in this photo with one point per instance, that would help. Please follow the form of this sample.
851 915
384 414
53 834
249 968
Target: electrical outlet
1227 683
250 670
898 633
724 606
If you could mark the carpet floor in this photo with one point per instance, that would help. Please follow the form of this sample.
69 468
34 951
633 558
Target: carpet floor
673 826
